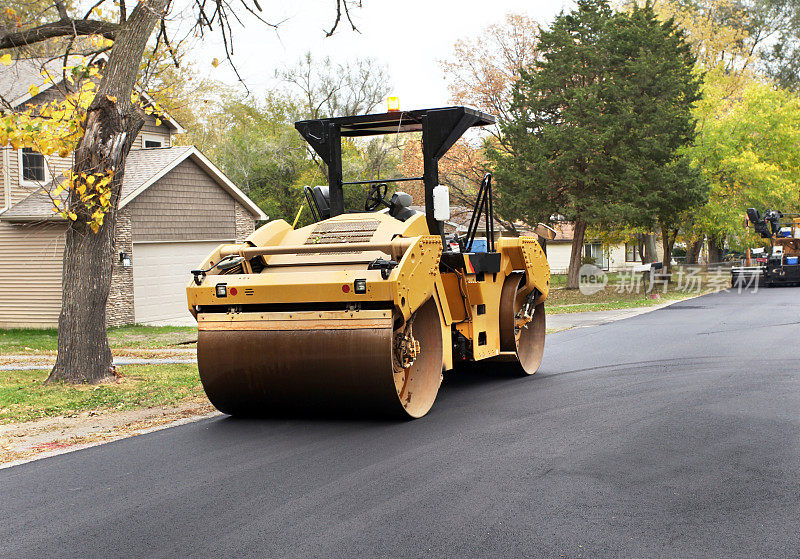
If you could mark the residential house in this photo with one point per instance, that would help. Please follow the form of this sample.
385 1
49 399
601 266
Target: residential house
612 257
176 206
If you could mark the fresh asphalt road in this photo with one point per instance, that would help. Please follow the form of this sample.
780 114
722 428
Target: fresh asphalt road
671 434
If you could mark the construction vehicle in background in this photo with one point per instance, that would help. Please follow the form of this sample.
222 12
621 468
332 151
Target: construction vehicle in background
778 263
362 312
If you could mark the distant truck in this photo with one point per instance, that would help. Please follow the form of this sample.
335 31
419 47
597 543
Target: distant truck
777 265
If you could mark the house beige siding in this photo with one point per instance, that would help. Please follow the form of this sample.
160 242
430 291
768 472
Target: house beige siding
184 204
19 190
151 129
30 274
56 165
186 212
5 175
616 258
17 193
558 254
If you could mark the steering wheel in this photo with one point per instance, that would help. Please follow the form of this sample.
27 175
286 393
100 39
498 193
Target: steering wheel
376 197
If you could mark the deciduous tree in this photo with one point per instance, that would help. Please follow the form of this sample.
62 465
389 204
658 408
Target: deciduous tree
255 143
482 70
749 152
328 89
481 73
742 36
107 130
321 88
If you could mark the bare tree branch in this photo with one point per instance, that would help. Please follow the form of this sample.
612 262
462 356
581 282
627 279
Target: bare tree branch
96 4
347 13
169 46
257 16
62 9
62 28
338 18
342 4
5 103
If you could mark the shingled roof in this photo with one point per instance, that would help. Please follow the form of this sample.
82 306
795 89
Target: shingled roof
142 169
16 80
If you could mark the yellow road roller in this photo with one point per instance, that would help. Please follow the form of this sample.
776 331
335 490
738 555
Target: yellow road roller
363 311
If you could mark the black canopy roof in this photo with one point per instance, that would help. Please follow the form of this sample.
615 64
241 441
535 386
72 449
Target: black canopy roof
396 122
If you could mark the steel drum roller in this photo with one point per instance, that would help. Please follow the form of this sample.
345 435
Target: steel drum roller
522 342
332 367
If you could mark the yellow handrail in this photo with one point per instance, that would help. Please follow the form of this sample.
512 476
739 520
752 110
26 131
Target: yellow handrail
297 218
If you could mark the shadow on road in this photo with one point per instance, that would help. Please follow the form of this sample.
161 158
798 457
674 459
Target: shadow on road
469 375
465 379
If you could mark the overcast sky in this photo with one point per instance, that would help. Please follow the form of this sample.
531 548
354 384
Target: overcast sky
408 36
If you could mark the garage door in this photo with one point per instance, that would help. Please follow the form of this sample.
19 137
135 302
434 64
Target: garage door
160 276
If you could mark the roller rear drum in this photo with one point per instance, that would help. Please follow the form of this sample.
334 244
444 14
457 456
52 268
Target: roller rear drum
521 339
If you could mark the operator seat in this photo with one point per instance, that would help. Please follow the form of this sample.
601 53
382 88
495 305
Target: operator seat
319 200
399 206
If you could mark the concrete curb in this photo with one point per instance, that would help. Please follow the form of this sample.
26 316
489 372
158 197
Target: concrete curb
568 321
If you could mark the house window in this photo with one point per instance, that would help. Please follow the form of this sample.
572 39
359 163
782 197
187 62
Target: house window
33 166
153 142
632 253
593 254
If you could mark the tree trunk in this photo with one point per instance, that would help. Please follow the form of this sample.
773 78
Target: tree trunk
111 125
714 251
668 237
573 272
693 251
83 351
648 242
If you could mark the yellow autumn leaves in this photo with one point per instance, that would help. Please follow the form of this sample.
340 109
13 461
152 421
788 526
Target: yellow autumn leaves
55 128
92 190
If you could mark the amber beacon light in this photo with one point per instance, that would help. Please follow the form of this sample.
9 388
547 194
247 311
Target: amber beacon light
393 104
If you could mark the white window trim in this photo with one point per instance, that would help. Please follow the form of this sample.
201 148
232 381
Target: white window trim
605 257
24 182
155 138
